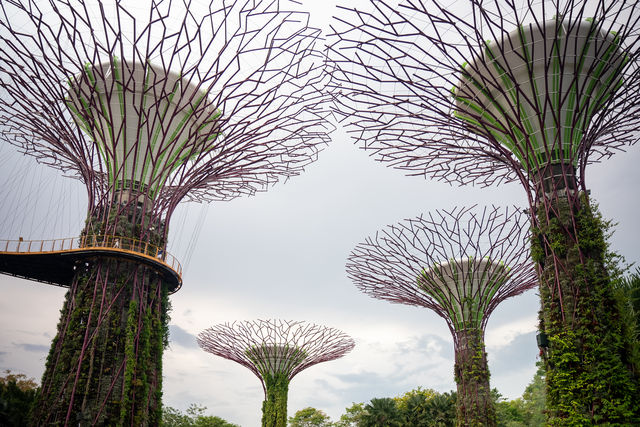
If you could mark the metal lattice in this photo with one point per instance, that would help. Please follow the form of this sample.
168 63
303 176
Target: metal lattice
166 102
485 92
484 251
149 104
275 346
409 81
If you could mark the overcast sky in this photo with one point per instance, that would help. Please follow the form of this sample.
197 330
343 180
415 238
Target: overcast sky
281 254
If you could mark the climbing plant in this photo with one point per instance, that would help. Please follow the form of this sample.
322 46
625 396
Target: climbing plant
599 384
104 365
475 405
274 407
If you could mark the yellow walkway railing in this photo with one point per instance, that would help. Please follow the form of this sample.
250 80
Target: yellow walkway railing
77 244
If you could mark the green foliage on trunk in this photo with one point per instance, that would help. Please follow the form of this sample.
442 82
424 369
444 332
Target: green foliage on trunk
274 407
589 362
475 406
105 363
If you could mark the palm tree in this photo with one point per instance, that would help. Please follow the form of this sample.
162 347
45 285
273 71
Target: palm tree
441 410
382 413
627 292
416 412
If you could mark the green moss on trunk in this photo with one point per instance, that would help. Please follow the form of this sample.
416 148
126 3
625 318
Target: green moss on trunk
589 367
105 363
274 407
475 406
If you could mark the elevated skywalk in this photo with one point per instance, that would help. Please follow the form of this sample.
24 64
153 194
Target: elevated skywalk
55 261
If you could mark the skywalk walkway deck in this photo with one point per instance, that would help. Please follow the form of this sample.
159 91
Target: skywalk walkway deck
55 261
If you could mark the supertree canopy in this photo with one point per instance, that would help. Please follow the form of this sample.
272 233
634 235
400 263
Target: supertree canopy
276 351
538 102
485 92
148 104
461 264
144 121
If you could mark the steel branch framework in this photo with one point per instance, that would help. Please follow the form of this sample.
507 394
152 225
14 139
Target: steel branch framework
461 264
275 351
400 263
397 84
149 104
177 101
269 346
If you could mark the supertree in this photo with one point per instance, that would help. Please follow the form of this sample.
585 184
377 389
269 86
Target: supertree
276 351
148 104
461 264
487 92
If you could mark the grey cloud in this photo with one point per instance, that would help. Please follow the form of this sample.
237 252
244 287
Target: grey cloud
181 337
424 342
425 352
519 354
38 348
513 366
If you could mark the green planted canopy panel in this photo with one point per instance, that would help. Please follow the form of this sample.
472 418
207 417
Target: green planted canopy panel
276 359
537 90
146 122
465 288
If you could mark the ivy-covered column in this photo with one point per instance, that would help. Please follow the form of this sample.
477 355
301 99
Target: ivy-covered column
274 407
475 406
588 362
105 363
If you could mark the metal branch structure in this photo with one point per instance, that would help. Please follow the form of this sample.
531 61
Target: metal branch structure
461 264
486 92
149 104
450 93
275 351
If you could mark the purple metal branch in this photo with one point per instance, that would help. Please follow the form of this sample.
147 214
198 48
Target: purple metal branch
404 262
395 71
247 74
264 346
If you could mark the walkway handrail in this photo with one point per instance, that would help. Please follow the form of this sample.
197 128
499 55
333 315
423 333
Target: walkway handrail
118 243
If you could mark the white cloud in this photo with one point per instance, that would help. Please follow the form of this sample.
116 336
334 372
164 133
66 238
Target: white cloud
503 335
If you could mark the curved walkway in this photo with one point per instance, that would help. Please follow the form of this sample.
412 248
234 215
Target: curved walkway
53 261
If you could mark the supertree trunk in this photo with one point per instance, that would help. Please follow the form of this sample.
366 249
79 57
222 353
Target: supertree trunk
274 407
486 262
170 102
589 366
474 406
105 364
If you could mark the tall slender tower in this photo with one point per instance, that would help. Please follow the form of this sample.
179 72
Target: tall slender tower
460 264
502 91
276 351
148 105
